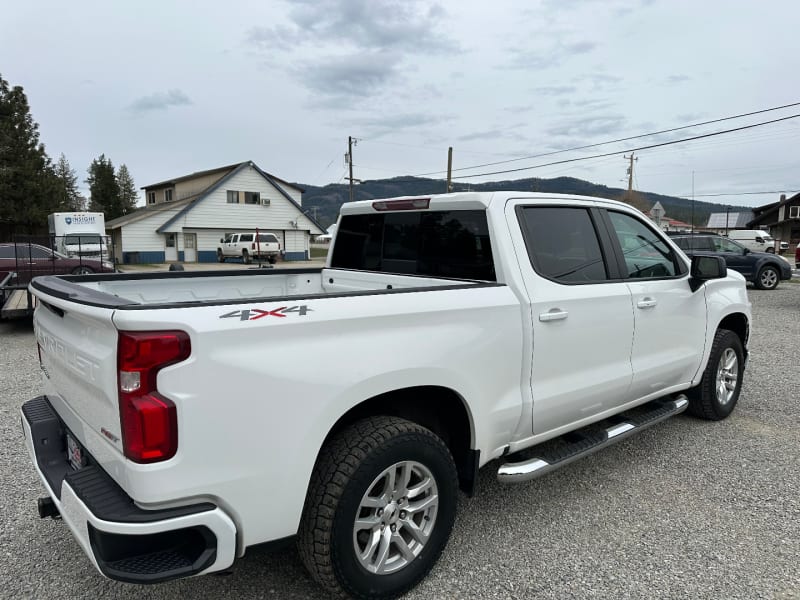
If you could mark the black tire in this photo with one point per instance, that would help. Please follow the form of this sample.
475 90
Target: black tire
220 256
346 471
768 278
272 259
246 257
771 250
705 400
82 270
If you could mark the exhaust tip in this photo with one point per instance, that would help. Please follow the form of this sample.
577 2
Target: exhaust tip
47 508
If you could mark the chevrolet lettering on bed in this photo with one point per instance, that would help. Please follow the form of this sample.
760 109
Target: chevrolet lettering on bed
513 331
253 314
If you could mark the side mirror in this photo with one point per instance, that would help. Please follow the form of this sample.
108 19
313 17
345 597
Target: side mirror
221 240
747 251
708 267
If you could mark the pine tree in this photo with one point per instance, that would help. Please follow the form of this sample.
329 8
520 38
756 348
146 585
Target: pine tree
69 198
27 179
127 190
103 188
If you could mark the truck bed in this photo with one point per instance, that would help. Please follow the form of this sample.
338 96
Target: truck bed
198 288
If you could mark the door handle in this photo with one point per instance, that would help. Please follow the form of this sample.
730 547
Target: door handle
647 302
554 314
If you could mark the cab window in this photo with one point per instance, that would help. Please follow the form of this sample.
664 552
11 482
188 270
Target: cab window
562 244
645 254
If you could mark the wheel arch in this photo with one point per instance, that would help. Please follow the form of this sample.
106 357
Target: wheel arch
438 408
739 324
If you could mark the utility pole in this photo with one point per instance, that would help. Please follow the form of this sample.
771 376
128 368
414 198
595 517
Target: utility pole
692 201
630 173
727 216
449 169
351 141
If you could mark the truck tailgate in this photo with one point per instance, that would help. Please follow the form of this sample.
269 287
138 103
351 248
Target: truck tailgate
78 350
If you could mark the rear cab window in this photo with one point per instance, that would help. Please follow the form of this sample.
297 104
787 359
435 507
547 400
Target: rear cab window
563 244
447 244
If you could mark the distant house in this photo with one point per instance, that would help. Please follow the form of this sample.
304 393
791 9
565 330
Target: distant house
185 217
723 222
658 215
781 217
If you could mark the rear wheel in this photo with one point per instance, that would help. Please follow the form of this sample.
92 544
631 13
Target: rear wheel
767 278
718 392
246 257
271 259
379 509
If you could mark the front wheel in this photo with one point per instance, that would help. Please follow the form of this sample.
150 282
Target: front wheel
767 278
220 256
718 392
82 270
379 510
771 250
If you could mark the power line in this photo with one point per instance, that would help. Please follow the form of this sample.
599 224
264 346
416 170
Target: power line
625 139
746 193
638 149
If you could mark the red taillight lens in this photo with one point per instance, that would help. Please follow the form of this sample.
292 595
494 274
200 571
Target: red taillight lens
253 246
149 420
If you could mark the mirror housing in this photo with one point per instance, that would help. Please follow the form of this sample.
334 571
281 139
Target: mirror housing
706 267
221 240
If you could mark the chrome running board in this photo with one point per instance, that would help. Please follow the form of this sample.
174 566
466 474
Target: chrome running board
556 453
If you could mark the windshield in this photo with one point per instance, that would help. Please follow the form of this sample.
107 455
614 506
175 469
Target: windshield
82 239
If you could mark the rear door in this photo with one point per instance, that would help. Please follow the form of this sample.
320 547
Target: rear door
669 318
581 313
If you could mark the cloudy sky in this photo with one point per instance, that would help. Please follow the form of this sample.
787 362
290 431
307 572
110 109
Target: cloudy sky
174 87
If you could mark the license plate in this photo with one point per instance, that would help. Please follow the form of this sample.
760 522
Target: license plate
75 453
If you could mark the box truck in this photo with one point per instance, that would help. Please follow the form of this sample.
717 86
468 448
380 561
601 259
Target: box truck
79 234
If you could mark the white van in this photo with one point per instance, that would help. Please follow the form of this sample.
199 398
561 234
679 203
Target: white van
757 240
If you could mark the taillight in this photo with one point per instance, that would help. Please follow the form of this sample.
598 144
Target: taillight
149 420
252 246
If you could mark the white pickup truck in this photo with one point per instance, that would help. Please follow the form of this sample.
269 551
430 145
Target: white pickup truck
248 246
188 416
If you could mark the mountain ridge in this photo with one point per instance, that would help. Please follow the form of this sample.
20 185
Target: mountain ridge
326 200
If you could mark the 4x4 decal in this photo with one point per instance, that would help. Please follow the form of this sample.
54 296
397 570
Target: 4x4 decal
253 314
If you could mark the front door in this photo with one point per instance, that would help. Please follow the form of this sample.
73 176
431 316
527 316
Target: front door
669 318
581 314
171 247
190 247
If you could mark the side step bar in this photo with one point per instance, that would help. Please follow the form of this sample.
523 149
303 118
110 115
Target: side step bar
563 450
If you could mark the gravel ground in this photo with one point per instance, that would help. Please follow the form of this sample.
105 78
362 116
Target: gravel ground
687 509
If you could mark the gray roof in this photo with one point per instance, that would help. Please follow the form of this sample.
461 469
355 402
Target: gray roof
735 220
206 192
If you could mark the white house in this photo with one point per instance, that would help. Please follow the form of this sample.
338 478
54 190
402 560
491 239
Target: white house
185 217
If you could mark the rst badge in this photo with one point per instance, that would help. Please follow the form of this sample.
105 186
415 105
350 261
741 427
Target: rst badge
253 314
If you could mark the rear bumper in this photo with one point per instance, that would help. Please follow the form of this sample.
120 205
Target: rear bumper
124 541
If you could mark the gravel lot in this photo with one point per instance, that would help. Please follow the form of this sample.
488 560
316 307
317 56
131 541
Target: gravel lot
687 509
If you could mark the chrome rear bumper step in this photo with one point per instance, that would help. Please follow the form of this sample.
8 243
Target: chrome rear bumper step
556 453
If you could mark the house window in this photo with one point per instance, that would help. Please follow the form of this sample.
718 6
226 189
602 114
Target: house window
168 195
252 197
233 197
794 212
151 197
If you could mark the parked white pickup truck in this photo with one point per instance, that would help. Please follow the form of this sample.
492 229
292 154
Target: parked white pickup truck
188 416
248 246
